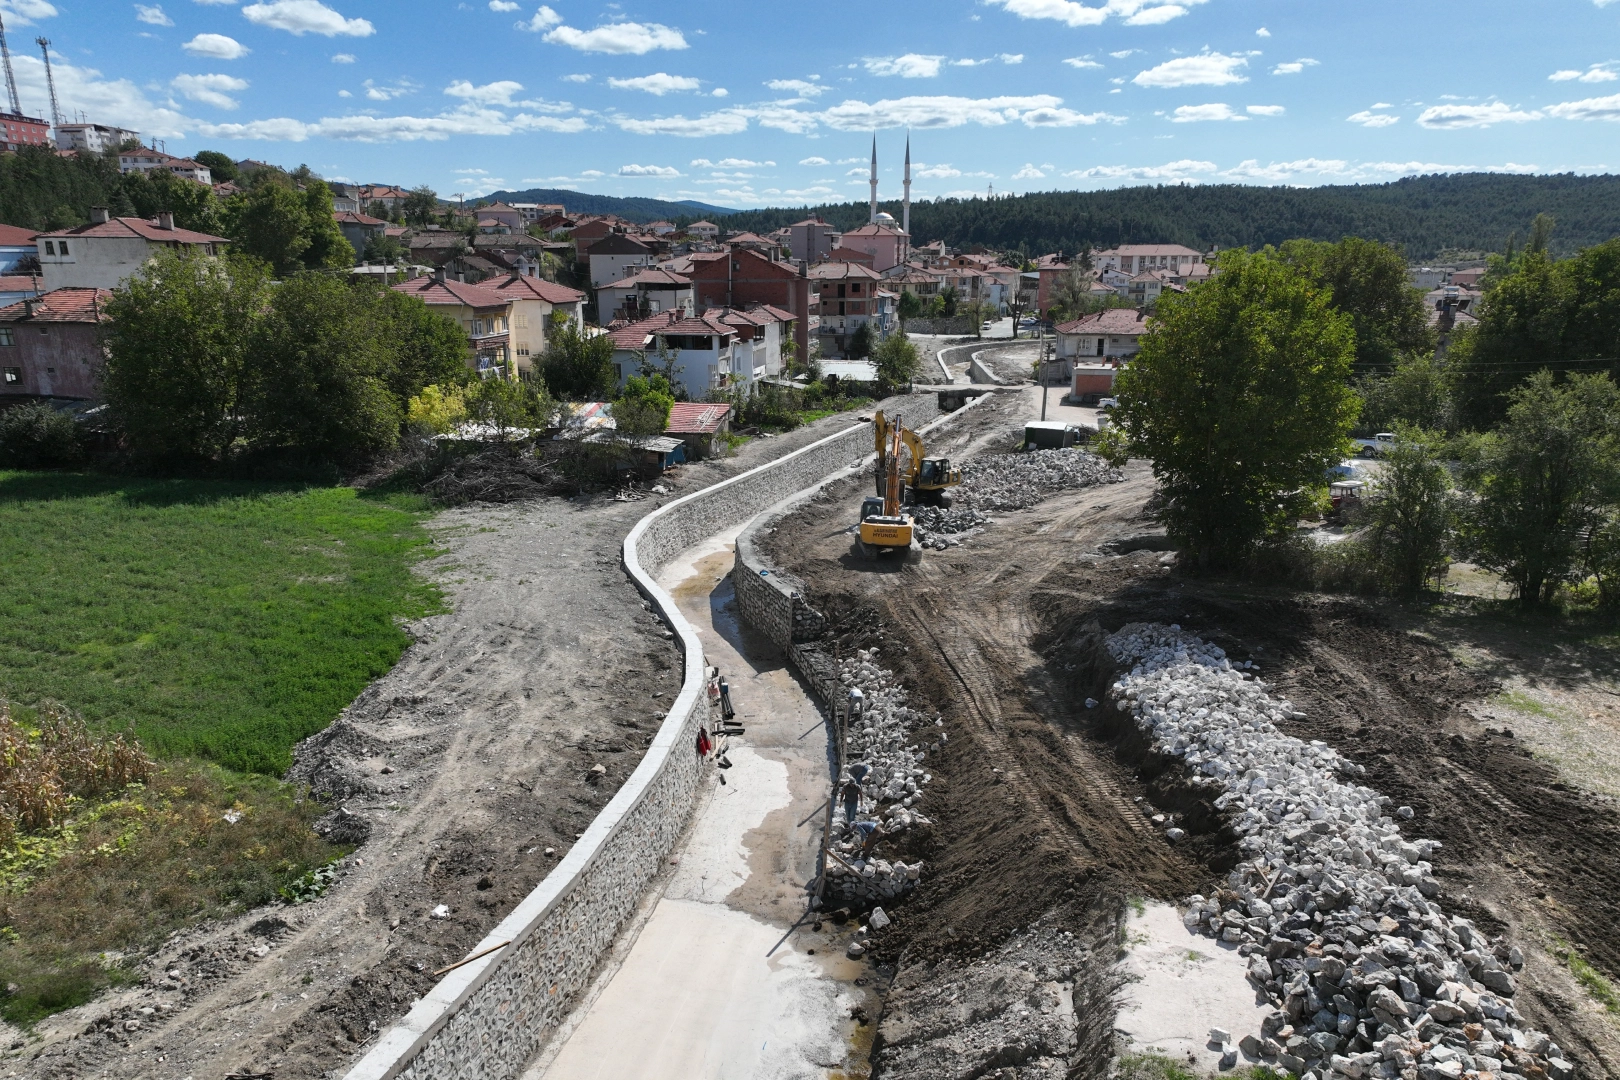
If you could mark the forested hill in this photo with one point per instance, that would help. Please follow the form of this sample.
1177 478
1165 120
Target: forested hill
631 209
1423 214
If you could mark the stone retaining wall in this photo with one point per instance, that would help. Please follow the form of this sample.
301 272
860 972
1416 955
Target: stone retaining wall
489 1018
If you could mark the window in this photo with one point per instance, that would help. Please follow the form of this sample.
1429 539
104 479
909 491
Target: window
523 348
13 375
520 321
1099 346
61 247
841 290
478 327
50 247
6 336
50 371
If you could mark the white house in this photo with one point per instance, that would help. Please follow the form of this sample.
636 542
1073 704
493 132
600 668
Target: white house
704 230
612 257
699 347
92 138
146 159
1134 258
1113 335
647 291
102 254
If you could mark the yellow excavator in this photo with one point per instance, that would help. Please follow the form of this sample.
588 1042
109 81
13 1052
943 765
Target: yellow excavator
883 528
930 479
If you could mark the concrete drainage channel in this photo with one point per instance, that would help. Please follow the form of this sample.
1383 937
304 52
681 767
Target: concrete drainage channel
492 1015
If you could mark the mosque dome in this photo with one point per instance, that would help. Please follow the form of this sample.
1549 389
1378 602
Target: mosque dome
885 218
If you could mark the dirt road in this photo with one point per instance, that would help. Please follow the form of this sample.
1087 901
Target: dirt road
1045 804
466 771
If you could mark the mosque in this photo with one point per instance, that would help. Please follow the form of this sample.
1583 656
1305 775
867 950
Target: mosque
888 242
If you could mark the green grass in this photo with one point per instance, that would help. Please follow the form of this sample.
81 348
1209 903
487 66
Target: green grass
1523 703
220 620
1591 979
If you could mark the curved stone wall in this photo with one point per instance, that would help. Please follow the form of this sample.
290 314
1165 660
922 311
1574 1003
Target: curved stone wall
488 1018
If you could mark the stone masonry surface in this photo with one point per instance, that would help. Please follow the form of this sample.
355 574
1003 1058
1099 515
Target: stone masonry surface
488 1018
1336 911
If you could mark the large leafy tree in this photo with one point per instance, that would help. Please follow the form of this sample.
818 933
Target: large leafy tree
1367 281
317 372
289 228
1541 480
1240 398
428 348
577 367
643 406
221 167
193 204
1411 512
897 360
421 205
174 336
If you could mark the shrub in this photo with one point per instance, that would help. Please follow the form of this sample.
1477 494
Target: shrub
643 407
36 436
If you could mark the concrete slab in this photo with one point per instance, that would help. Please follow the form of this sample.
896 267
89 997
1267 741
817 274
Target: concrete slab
1180 986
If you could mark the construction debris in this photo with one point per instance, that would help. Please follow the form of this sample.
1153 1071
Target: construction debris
1007 482
891 778
1334 908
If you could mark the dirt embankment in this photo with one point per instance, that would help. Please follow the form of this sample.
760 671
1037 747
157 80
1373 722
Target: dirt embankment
464 774
1044 806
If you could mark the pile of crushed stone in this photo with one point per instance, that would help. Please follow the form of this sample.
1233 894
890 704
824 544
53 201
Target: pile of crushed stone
1007 482
1336 911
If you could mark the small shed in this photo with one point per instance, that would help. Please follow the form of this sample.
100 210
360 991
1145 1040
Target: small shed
658 451
702 426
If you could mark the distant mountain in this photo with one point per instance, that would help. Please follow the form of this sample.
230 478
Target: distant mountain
640 211
1425 215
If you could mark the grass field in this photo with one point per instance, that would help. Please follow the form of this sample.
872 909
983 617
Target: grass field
220 620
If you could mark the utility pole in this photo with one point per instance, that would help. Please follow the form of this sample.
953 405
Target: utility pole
11 80
50 82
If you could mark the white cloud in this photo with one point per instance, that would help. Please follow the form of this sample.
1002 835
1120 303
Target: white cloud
544 19
1448 117
1049 117
936 172
215 47
1564 76
210 89
622 39
1283 171
1368 118
1039 110
1294 67
815 161
495 93
300 17
345 94
577 78
389 93
725 122
1029 172
909 66
662 171
965 62
1595 74
1205 69
217 3
1011 58
659 84
152 16
734 163
1192 114
119 102
1603 108
719 91
1133 12
1123 53
857 172
797 86
343 58
504 5
1081 62
24 12
1262 32
1172 171
1265 110
467 120
1383 105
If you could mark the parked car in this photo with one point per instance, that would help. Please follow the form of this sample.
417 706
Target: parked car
1104 404
1376 445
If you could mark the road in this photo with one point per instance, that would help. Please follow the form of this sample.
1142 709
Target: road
717 984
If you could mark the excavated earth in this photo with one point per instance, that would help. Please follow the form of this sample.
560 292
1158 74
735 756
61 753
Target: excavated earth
463 775
1043 807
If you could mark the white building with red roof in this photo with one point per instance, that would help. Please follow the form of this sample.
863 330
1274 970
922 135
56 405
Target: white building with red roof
104 253
1111 336
145 159
721 348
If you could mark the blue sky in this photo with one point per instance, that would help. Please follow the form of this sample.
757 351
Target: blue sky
747 104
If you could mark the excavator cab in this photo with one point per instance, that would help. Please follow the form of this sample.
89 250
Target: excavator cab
883 528
934 478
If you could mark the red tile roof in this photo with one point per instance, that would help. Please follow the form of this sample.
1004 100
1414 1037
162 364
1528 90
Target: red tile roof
539 288
840 270
696 418
650 276
431 290
350 217
13 236
1112 321
125 227
60 306
20 283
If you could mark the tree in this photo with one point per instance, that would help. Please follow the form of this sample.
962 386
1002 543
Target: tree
1541 480
317 371
193 204
1239 397
1367 281
1541 231
384 249
1411 511
427 347
221 169
292 230
897 360
421 206
859 344
949 298
576 367
643 406
174 337
908 307
1417 393
503 405
437 410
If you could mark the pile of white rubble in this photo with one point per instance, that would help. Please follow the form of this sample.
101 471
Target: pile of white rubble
882 739
1019 481
1333 907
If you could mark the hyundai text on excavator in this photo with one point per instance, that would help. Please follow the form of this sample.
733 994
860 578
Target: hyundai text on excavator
883 528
